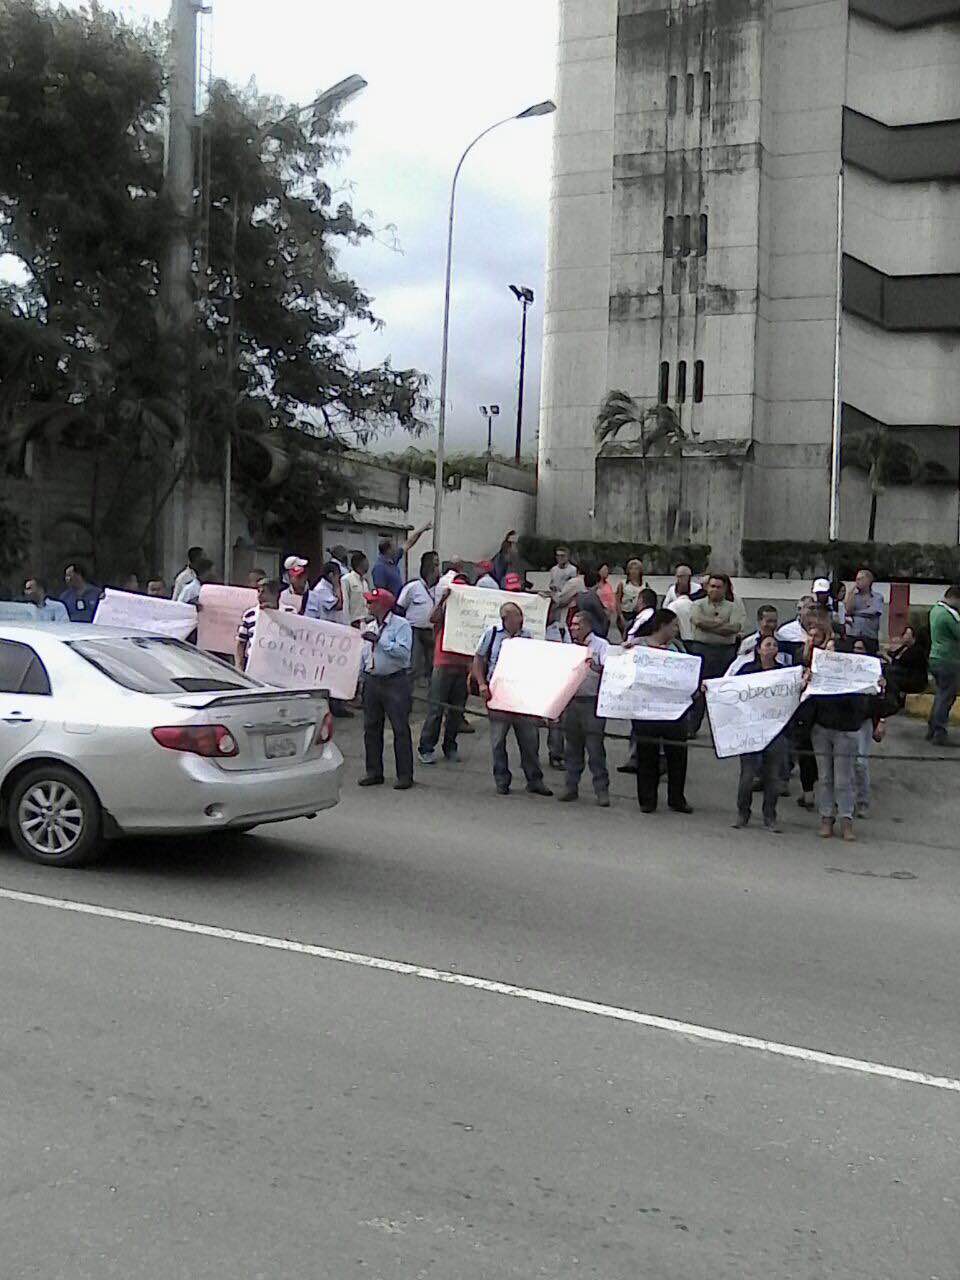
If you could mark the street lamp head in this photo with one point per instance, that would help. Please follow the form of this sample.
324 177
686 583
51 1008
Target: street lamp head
338 94
538 109
522 292
483 410
494 409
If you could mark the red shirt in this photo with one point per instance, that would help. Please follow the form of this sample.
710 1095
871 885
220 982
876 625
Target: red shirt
441 658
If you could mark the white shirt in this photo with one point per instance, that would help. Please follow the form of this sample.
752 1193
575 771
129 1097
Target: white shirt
186 577
487 582
792 633
354 589
323 603
290 602
190 591
671 595
418 601
744 659
681 607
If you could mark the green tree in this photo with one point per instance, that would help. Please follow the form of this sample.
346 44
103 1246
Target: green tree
84 354
887 459
659 429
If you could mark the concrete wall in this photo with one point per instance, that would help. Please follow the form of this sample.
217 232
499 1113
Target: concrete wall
909 378
918 513
904 77
574 379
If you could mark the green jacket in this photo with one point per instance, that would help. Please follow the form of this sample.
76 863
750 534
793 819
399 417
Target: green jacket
944 635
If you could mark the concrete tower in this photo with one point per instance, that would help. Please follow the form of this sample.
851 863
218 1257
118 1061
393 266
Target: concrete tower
723 169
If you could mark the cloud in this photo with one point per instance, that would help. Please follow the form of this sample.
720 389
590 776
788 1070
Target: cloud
439 72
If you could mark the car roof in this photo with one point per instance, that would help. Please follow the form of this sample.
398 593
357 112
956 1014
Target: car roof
69 631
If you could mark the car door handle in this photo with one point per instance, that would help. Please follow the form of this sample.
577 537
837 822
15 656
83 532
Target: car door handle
15 719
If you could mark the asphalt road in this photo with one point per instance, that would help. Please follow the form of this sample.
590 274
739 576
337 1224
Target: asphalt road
181 1105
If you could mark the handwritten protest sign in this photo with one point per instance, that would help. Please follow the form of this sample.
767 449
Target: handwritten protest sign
305 653
537 677
146 613
15 611
221 609
835 673
747 712
470 610
648 684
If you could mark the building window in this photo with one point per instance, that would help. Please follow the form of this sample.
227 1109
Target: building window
681 382
707 89
668 237
702 246
663 394
685 242
698 382
690 91
672 96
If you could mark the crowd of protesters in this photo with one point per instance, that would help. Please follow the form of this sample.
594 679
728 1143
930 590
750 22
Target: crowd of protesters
828 741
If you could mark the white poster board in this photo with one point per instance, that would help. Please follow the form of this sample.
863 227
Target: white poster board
17 611
747 712
305 653
221 611
537 677
470 610
648 684
146 613
836 673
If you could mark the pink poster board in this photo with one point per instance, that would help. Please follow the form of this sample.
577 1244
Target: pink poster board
537 677
220 610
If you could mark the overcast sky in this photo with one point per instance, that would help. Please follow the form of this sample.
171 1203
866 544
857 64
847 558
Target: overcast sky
439 72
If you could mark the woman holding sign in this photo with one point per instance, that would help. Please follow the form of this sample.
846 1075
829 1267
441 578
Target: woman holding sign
672 733
768 764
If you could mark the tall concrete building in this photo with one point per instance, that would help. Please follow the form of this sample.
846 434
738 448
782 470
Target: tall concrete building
756 221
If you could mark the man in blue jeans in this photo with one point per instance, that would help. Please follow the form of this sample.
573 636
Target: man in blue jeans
386 691
944 664
525 731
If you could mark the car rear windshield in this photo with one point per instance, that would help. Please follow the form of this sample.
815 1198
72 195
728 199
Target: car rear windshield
153 664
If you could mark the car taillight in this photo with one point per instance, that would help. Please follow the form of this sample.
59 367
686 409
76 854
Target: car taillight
324 732
199 739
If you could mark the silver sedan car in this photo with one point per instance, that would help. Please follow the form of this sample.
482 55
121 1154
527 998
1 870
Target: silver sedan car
105 732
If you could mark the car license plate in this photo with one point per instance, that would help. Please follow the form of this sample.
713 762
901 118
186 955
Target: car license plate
278 747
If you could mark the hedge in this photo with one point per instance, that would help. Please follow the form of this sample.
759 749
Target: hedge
889 561
539 553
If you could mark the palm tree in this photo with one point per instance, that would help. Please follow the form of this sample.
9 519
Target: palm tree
887 459
658 424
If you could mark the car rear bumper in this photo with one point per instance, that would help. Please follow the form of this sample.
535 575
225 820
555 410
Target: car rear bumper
202 797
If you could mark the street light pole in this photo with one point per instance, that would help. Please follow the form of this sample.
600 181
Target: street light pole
538 109
331 99
524 296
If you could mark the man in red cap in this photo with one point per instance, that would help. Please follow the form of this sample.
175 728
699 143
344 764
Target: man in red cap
294 598
486 579
386 690
448 690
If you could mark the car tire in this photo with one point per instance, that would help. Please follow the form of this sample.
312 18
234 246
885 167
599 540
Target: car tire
54 817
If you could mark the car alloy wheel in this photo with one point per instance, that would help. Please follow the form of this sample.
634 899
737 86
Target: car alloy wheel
54 816
51 818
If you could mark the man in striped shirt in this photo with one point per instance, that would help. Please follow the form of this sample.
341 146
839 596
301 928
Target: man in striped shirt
268 597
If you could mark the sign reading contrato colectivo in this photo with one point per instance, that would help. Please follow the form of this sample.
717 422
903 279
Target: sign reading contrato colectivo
305 653
470 610
747 712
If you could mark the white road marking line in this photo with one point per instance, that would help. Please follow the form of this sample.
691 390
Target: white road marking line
654 1021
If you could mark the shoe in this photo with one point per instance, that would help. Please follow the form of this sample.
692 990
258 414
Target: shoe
629 767
742 821
466 727
538 789
427 757
804 803
784 789
862 811
648 808
682 807
846 830
371 780
502 790
556 763
826 829
773 827
452 757
403 784
565 797
603 800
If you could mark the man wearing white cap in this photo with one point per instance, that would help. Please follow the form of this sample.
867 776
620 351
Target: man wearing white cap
825 597
293 598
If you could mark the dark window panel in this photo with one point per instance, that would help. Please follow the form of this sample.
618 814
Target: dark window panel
691 89
686 243
902 14
663 392
705 102
681 382
702 247
672 96
902 153
917 304
668 237
698 382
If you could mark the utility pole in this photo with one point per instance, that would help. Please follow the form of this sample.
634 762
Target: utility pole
177 292
490 412
524 296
